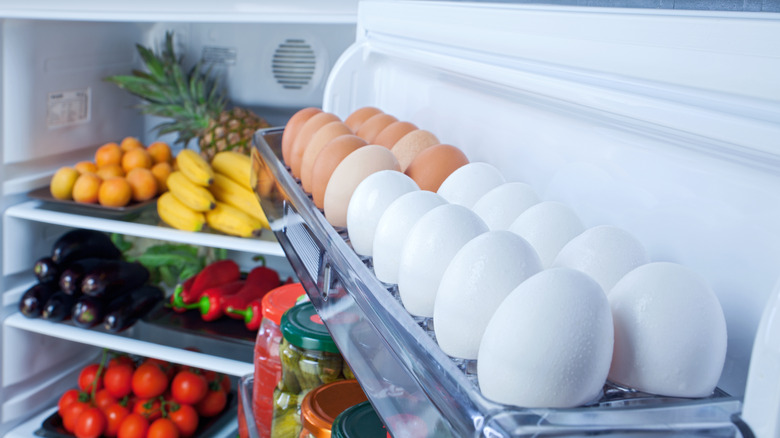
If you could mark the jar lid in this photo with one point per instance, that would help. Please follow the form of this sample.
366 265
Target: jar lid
324 403
278 300
360 420
303 327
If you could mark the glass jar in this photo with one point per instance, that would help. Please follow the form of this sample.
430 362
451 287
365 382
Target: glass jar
309 359
360 420
268 367
322 405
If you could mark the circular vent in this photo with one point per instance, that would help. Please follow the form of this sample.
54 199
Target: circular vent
293 64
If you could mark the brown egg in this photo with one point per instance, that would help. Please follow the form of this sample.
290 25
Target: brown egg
292 128
326 161
434 164
318 141
373 126
303 138
360 115
393 132
411 144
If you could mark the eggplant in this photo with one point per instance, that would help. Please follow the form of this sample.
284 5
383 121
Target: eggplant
71 277
46 271
78 244
114 279
126 310
59 306
88 312
34 299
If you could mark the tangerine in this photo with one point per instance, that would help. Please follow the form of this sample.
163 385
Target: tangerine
115 192
109 153
161 172
136 158
143 184
129 143
110 170
86 187
160 152
86 166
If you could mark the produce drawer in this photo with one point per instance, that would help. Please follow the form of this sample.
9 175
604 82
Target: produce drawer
402 369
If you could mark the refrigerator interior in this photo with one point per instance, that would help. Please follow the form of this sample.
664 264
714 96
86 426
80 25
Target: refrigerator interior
57 109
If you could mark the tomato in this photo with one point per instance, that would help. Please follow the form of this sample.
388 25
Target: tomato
133 426
185 417
67 398
163 428
121 359
87 376
118 379
168 368
188 387
224 380
90 424
212 404
149 408
115 414
149 381
71 414
104 399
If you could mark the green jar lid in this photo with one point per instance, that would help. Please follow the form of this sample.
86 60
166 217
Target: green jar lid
303 327
360 420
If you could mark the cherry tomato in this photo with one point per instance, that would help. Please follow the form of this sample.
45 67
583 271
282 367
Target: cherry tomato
168 368
103 399
115 414
87 376
90 424
121 359
185 417
188 387
163 428
149 408
67 398
224 380
71 414
149 381
118 379
133 426
212 404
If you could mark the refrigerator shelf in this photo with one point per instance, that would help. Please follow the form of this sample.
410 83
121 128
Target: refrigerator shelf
400 366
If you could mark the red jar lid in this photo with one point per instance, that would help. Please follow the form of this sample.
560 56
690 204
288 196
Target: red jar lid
279 300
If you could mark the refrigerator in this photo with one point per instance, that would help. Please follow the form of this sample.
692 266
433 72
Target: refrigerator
662 121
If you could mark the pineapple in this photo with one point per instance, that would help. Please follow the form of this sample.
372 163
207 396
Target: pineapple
193 100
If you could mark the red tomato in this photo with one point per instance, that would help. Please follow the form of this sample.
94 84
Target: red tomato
150 408
185 418
87 376
115 414
71 414
188 387
168 368
212 404
121 359
149 381
103 399
90 424
133 426
118 379
163 428
67 398
224 380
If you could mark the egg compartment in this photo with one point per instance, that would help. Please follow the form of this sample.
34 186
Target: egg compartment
400 366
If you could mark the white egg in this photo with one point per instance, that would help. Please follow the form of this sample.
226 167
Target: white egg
549 344
547 226
482 273
427 250
369 200
500 206
468 183
670 332
393 227
605 252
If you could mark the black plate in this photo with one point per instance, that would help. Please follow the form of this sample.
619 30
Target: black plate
43 194
224 328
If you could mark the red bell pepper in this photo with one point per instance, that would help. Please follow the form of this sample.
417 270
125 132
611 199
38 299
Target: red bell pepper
259 282
252 314
213 275
211 301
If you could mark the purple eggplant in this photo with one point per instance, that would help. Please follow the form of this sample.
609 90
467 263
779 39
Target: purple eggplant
126 310
113 279
78 244
34 299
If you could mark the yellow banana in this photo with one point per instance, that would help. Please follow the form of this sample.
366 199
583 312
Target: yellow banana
230 192
190 194
197 169
230 220
178 215
234 165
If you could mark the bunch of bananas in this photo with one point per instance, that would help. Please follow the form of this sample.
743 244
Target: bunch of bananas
217 194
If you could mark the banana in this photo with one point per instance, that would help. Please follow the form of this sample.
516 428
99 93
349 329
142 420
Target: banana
230 220
234 165
178 215
197 169
234 194
190 194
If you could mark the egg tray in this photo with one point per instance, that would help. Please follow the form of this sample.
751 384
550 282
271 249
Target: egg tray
400 366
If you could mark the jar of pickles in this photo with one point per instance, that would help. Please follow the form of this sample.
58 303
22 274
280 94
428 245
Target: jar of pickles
322 405
309 359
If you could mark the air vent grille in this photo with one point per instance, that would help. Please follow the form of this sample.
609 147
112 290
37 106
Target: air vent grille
294 63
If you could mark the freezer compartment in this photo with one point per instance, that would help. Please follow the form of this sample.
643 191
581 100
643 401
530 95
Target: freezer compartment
401 367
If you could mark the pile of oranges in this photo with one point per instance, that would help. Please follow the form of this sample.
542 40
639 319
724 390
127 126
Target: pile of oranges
121 173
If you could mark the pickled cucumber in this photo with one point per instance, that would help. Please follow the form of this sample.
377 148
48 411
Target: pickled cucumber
289 355
347 371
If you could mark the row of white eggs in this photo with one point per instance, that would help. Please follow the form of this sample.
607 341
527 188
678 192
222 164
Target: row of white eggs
549 309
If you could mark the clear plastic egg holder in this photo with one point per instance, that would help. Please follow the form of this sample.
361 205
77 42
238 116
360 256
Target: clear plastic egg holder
399 364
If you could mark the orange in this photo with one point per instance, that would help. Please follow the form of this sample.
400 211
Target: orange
115 192
136 158
110 170
85 190
62 183
109 153
86 166
160 152
161 172
143 183
129 143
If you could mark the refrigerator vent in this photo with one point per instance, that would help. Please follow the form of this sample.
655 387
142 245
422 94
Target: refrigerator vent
293 64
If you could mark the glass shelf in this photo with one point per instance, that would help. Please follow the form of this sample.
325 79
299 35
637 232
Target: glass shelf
402 369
